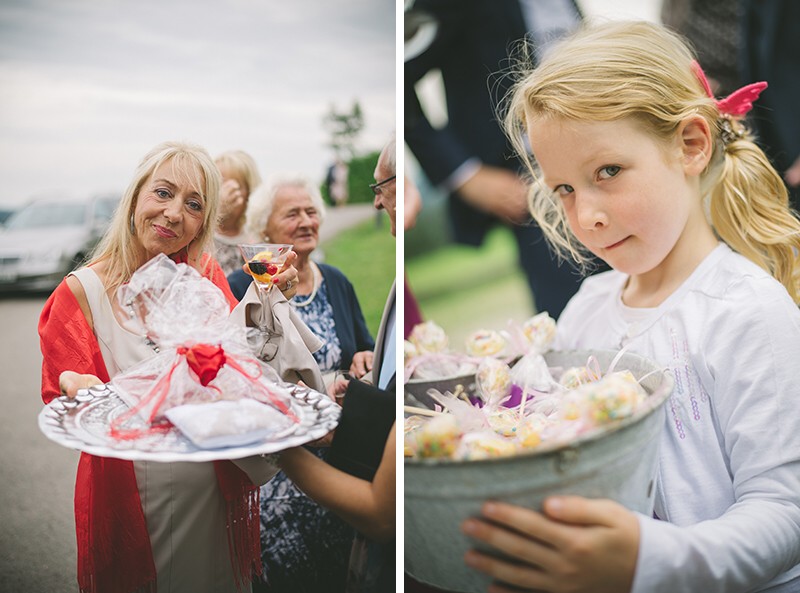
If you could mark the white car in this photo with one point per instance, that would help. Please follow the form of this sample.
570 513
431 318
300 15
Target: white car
47 238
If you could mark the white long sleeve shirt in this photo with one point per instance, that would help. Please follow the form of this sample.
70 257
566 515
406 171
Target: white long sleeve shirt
728 487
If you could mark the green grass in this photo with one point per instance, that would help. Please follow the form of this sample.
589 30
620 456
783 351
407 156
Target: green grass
460 288
464 289
458 267
366 255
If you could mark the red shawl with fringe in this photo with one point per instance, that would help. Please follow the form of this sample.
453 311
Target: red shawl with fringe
114 554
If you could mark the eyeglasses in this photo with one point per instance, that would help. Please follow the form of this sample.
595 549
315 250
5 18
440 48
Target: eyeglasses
376 187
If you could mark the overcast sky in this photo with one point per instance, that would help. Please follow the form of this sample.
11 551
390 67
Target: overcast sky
87 87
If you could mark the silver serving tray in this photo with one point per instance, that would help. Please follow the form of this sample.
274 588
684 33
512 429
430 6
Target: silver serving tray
82 423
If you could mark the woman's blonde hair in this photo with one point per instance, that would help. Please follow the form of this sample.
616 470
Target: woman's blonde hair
262 202
120 248
643 71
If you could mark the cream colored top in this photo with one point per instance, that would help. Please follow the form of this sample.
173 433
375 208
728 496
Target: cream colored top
183 506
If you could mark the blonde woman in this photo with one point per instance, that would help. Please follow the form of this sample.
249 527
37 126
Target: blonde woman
143 526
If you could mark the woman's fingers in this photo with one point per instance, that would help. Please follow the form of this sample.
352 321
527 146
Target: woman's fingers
291 257
69 382
286 281
361 364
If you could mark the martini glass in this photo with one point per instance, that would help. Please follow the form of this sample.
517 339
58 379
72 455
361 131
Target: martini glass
265 261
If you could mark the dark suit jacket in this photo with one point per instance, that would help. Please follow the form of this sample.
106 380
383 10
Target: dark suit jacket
368 414
471 49
771 52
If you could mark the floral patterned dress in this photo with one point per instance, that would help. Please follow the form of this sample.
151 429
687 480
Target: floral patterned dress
304 547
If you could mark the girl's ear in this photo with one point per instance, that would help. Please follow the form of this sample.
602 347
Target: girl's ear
696 144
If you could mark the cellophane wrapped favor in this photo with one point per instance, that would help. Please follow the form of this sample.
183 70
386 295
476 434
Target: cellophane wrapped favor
202 364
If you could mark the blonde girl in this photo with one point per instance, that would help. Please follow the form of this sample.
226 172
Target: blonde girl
635 163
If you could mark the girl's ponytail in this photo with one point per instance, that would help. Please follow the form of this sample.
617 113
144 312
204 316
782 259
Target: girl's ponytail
749 208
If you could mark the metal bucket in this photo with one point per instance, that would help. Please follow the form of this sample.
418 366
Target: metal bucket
618 463
418 389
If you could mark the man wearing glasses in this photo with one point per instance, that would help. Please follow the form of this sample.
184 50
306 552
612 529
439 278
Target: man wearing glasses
385 190
361 444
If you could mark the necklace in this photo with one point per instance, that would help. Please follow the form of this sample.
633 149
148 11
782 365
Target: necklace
312 296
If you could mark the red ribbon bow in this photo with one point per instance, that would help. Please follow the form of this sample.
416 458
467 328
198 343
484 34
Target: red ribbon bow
739 102
205 360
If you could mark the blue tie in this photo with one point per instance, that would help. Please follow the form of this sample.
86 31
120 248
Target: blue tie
389 364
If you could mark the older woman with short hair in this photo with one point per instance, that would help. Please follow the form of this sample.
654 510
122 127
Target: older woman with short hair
305 548
291 210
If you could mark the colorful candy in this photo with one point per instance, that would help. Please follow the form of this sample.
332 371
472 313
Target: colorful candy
613 397
486 342
428 338
548 418
484 445
439 437
574 377
494 381
540 331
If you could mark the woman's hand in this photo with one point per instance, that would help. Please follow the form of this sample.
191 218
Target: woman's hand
231 202
286 279
69 382
578 544
338 387
361 364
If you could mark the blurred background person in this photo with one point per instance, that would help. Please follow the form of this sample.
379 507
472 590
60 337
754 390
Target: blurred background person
304 547
239 177
469 157
714 29
771 52
336 182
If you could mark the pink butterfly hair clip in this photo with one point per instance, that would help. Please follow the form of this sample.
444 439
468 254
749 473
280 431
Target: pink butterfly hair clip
739 102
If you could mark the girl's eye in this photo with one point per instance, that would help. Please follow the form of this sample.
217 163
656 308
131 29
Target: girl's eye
162 193
609 171
563 190
195 205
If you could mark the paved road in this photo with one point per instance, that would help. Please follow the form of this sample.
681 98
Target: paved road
342 218
37 477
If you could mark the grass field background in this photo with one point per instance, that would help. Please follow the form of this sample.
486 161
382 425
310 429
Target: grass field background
366 255
464 289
